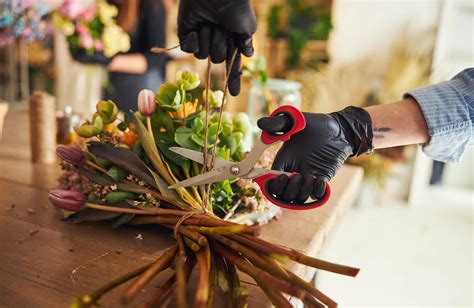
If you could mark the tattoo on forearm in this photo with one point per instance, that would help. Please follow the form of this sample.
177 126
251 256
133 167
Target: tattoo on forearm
379 132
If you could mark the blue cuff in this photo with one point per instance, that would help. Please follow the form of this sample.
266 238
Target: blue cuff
446 112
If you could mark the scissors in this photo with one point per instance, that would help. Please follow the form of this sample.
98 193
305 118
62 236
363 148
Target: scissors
245 169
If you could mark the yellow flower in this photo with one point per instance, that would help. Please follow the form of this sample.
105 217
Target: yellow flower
115 40
107 12
187 109
63 24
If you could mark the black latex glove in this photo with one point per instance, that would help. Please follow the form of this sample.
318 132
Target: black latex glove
97 58
318 151
216 28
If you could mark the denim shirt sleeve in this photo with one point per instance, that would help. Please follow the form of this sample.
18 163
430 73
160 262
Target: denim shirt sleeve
448 108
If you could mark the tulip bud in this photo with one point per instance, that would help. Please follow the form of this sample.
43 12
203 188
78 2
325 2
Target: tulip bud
146 102
67 199
71 154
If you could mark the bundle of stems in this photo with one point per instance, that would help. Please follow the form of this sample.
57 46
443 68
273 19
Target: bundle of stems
217 248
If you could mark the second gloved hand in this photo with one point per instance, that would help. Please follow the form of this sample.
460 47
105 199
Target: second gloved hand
97 58
318 151
217 28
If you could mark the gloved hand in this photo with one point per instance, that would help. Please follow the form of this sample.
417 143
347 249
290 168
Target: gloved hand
96 58
216 28
318 151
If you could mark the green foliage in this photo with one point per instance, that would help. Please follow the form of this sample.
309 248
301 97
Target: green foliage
305 22
107 110
171 96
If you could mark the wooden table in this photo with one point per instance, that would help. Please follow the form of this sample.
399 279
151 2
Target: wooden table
45 262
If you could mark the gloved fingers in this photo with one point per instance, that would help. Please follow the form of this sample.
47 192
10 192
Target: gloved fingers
277 124
319 187
306 188
204 42
246 45
278 184
235 70
189 42
218 49
292 189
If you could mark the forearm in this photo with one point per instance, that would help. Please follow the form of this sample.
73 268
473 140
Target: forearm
134 63
399 123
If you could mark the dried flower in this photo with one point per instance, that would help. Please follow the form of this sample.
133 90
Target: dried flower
146 102
71 154
67 199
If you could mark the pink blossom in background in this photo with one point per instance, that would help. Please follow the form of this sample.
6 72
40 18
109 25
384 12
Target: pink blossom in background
98 45
72 8
86 41
88 14
82 30
26 32
27 3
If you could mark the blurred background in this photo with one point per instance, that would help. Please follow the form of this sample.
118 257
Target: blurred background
411 229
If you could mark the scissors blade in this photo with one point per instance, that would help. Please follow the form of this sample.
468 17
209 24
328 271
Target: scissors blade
198 157
256 172
205 178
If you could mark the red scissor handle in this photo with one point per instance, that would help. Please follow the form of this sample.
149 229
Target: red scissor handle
299 123
262 181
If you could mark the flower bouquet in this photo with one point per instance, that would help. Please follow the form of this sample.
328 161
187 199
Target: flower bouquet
121 171
24 19
89 29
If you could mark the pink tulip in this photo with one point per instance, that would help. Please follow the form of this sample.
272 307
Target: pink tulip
88 14
82 30
146 102
71 154
98 45
86 41
67 199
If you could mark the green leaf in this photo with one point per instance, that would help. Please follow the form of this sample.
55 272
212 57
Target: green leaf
90 130
163 187
122 126
242 123
187 80
95 177
125 159
170 97
107 110
117 173
161 119
122 219
117 196
183 138
164 142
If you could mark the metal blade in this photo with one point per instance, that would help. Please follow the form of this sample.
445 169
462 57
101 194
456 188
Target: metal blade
256 172
205 178
198 157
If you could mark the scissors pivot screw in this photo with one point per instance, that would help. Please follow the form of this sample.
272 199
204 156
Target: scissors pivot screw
235 170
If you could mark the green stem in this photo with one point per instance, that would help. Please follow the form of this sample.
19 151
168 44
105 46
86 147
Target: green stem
95 166
118 209
97 294
194 189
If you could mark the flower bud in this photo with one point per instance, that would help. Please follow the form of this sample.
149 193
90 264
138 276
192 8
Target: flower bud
71 154
107 110
67 199
146 102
